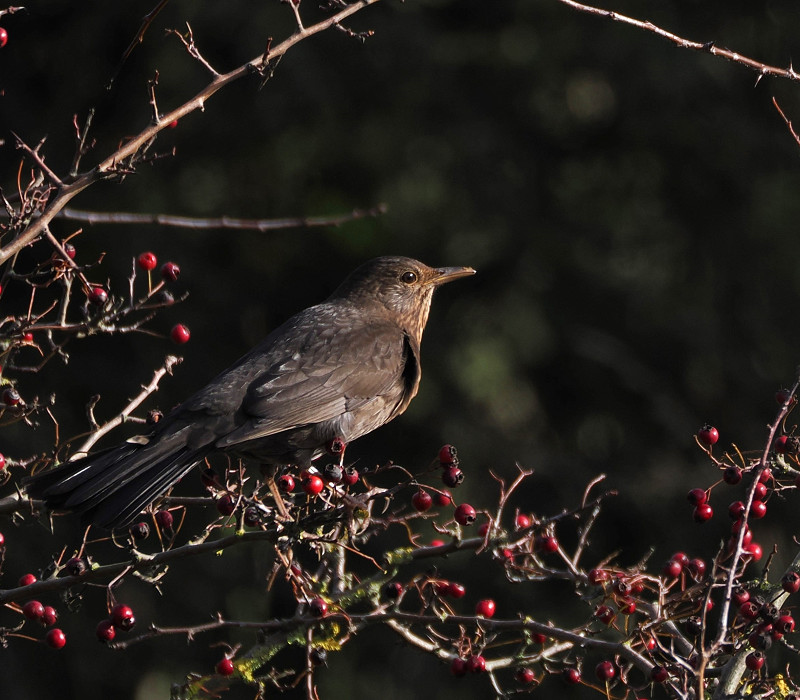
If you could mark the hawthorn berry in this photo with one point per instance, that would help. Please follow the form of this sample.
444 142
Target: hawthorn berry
572 676
465 514
605 614
458 667
476 664
2 461
741 595
703 513
226 504
147 261
164 520
448 455
313 485
452 476
672 569
56 639
681 557
318 607
784 395
605 671
754 550
456 590
69 249
49 616
627 606
105 631
252 517
483 530
350 476
538 637
758 509
421 501
140 530
785 624
732 475
75 566
170 272
392 590
736 510
332 473
485 608
598 576
749 610
765 475
522 521
180 334
791 582
442 499
97 295
546 544
3 37
754 660
781 444
27 580
708 435
286 483
225 667
697 569
659 674
122 617
11 397
524 675
697 497
33 610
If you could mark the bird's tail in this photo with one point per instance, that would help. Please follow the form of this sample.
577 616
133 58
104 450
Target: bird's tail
110 488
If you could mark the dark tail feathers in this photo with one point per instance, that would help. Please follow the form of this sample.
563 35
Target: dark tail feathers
110 488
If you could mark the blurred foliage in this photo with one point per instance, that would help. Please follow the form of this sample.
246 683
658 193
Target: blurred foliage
631 209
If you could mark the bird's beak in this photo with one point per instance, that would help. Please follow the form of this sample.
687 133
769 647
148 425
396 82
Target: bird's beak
448 274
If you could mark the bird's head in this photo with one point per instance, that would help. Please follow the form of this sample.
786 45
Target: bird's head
403 286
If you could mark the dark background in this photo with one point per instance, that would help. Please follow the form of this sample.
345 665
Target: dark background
631 209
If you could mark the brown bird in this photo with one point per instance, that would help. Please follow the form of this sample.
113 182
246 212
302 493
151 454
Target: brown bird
337 370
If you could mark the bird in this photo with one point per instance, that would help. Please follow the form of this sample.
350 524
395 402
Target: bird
334 371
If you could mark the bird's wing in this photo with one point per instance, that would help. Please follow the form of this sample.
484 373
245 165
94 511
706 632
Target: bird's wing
344 366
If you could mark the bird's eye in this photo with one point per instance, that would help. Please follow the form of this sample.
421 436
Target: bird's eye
409 277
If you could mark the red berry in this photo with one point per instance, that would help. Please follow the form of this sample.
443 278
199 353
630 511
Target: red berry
605 614
758 509
286 483
180 334
708 435
56 638
736 510
11 397
448 455
749 610
781 444
572 676
105 631
785 624
3 37
605 671
784 395
75 566
27 580
476 664
458 667
754 660
765 475
33 610
97 295
465 514
760 491
524 675
627 606
754 550
452 476
172 124
392 590
456 590
791 582
732 475
659 674
164 519
740 595
485 608
313 485
50 616
318 607
680 557
225 667
147 261
170 271
703 513
697 569
351 476
2 461
522 521
122 617
421 501
697 497
69 249
672 569
483 530
442 499
598 576
437 543
140 531
546 544
226 504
